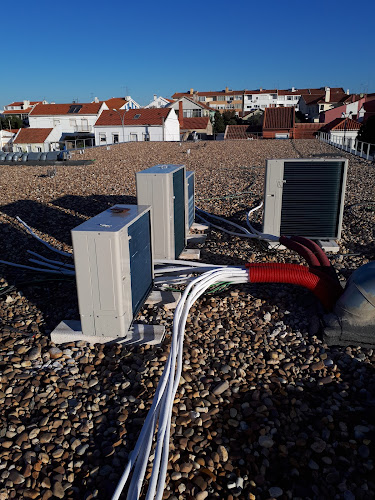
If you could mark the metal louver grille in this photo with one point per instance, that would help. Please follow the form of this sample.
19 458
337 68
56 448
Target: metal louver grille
140 260
190 181
179 211
311 199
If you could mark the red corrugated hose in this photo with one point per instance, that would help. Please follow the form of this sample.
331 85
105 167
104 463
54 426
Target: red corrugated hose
326 289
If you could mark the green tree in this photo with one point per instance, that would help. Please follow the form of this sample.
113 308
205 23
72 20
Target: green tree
219 125
14 121
367 131
230 118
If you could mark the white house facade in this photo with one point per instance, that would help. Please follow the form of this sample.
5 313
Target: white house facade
144 124
158 102
36 140
67 118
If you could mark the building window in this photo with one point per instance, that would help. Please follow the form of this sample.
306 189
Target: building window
221 98
39 150
115 138
202 98
73 122
134 137
102 137
289 97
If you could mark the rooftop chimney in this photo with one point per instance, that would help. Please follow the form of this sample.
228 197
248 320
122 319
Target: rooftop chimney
293 89
26 104
347 92
260 89
155 97
327 97
191 91
127 98
226 89
96 99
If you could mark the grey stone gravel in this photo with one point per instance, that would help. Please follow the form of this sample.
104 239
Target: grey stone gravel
255 368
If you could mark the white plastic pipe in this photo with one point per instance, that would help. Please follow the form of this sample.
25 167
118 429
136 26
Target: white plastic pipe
29 230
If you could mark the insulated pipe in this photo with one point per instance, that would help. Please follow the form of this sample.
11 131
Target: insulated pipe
315 248
302 250
322 286
325 264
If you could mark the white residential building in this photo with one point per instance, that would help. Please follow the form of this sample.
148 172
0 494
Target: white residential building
72 119
144 124
36 140
159 102
6 138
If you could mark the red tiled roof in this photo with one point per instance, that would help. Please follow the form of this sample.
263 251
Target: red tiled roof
115 102
147 116
341 124
17 111
32 135
278 118
195 123
263 91
238 132
91 108
190 98
336 95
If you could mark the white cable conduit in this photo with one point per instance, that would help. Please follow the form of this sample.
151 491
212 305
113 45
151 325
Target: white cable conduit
29 230
246 234
52 266
49 260
55 271
161 408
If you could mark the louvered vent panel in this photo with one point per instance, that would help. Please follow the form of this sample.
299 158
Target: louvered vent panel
179 211
311 199
140 260
190 181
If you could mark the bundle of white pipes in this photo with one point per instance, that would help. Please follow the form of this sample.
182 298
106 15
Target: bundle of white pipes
160 412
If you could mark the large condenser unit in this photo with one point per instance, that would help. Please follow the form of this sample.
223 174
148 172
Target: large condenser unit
190 200
163 187
305 197
114 268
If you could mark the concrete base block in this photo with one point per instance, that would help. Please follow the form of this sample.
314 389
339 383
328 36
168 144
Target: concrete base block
70 331
196 238
190 254
199 227
329 245
169 300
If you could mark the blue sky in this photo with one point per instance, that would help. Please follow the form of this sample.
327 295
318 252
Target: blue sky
92 48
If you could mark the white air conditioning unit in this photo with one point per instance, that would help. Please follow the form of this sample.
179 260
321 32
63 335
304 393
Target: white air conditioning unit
305 197
189 200
163 187
114 268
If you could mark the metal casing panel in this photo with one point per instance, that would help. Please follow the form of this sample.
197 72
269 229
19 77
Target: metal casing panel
155 188
305 197
103 270
190 200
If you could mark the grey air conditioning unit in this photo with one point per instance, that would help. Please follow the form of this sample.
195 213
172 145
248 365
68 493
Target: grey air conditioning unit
305 197
190 200
114 268
163 187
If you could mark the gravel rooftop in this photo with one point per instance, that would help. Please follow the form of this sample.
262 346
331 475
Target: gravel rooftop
264 408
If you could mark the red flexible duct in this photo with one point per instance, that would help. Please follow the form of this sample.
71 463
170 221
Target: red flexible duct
315 248
302 250
322 286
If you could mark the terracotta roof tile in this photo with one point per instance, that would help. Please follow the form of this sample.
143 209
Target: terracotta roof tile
32 135
195 123
238 132
116 102
91 108
147 116
278 118
341 124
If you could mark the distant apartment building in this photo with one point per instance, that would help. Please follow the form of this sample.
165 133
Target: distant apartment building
159 102
318 101
221 100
